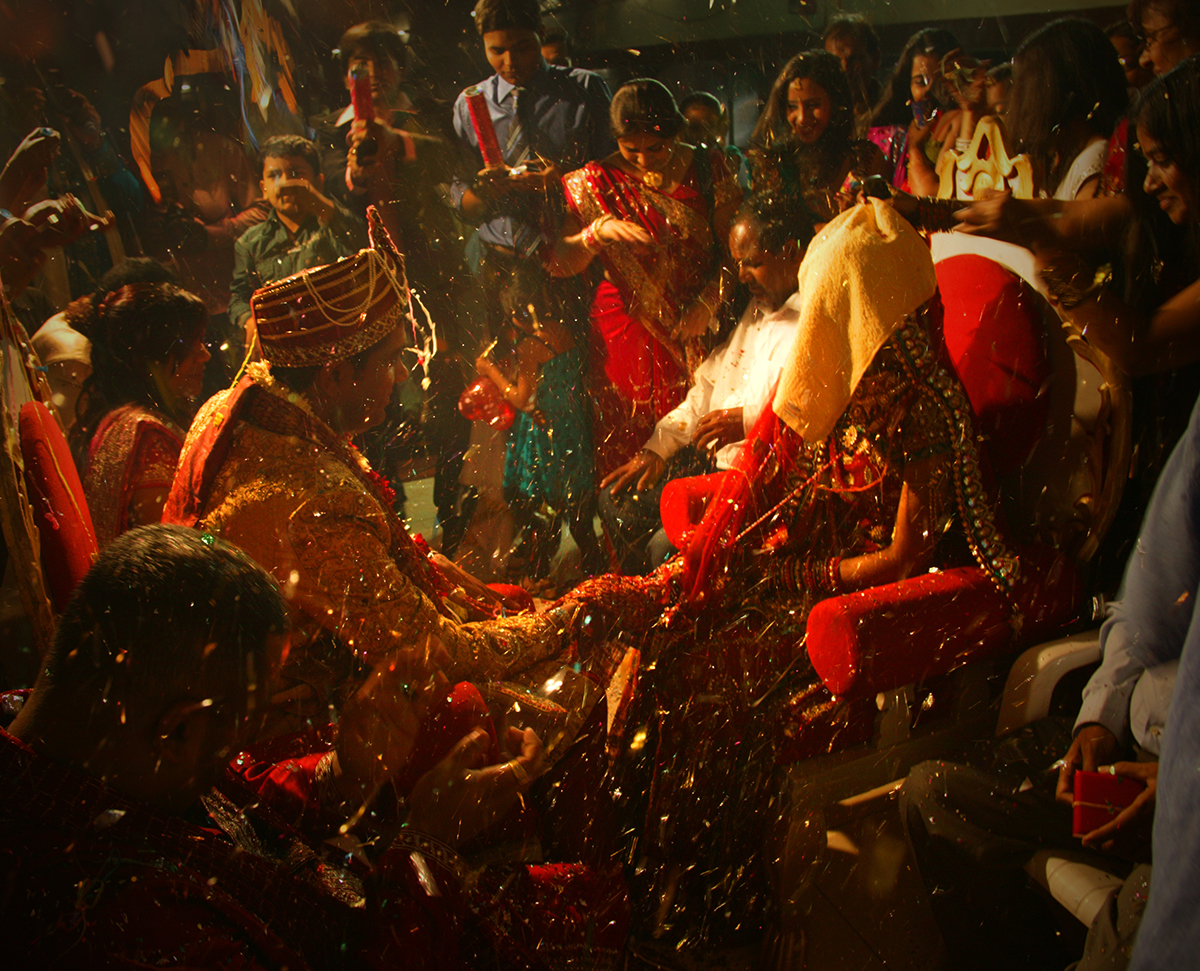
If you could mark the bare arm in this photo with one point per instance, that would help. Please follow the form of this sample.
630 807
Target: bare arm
1093 227
1138 344
913 539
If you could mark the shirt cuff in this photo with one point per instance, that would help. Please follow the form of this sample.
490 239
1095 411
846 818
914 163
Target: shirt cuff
1108 707
662 445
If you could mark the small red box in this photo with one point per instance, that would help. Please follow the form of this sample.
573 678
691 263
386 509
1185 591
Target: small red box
1099 798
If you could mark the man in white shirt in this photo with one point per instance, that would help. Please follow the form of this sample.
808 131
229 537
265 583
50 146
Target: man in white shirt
767 240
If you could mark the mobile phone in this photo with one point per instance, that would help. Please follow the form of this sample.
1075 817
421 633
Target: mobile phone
529 165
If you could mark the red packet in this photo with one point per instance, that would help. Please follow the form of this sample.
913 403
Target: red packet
485 131
360 95
1099 799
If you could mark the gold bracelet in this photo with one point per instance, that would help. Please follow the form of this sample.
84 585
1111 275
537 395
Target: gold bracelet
1064 290
523 777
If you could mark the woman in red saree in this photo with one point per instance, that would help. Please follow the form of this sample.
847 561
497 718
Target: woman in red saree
148 360
656 214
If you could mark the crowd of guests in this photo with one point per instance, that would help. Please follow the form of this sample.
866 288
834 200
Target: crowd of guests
277 729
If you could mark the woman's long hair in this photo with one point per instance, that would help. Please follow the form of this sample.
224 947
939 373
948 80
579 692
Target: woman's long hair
895 107
1168 109
135 327
826 70
1063 73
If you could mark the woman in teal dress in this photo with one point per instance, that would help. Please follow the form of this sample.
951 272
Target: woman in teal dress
550 456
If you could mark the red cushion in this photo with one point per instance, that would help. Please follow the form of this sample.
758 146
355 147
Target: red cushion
521 599
879 639
682 505
996 340
59 507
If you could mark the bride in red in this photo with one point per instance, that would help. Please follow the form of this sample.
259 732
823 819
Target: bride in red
862 472
656 214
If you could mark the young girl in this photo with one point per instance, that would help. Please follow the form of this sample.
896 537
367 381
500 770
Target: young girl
550 443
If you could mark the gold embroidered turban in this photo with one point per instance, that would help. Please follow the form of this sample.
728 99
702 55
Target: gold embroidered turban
330 313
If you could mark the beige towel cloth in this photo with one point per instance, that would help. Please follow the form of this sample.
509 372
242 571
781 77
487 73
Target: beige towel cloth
865 272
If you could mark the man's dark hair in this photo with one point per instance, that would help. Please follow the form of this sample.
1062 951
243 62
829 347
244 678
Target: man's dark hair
162 611
135 269
702 99
780 217
289 146
555 34
375 39
856 29
493 15
644 106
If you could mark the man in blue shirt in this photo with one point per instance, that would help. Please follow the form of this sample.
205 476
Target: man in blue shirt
1162 582
548 120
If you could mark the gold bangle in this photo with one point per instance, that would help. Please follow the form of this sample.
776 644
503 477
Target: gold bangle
523 777
1064 290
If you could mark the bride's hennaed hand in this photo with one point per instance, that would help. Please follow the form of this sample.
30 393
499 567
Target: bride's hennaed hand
623 231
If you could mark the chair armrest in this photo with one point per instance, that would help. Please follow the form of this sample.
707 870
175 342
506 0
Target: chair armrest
1032 679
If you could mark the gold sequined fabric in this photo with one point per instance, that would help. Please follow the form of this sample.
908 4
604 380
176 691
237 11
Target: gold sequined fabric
305 516
134 448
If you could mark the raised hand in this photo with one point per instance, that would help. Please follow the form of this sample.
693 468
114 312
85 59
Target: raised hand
27 169
61 221
461 796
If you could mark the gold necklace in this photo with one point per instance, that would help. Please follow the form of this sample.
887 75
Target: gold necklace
656 179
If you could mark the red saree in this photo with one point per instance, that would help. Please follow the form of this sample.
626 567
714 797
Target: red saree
134 448
643 370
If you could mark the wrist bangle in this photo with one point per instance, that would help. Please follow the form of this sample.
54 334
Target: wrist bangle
936 215
833 576
1064 287
330 796
411 842
590 237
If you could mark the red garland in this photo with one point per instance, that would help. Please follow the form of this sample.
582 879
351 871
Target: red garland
384 487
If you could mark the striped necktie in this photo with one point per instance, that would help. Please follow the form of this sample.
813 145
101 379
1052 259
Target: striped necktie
516 145
526 235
